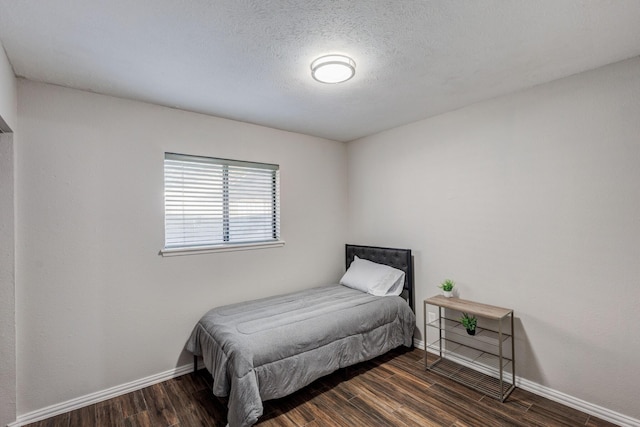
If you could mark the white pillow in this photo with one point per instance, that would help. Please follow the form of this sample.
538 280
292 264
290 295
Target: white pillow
376 279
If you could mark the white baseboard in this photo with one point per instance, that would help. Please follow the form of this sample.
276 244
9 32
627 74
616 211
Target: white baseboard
556 396
100 396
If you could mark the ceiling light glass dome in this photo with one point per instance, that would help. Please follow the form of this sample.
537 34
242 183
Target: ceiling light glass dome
333 69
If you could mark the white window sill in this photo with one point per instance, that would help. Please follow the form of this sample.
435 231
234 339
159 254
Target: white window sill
221 248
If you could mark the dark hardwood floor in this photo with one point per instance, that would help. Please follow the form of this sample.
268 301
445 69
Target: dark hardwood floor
392 390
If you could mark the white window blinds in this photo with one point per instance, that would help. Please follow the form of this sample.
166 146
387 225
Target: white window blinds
210 202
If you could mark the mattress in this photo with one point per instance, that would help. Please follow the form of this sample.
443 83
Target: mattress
269 348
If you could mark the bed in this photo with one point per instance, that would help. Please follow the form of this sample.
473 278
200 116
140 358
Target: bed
271 347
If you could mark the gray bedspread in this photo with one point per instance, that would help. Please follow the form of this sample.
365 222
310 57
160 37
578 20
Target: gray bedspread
269 348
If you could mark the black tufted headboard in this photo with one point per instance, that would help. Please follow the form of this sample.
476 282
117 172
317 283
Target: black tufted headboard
396 258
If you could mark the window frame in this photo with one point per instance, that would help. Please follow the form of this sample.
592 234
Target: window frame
226 245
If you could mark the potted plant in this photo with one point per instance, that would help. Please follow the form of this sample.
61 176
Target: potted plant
447 288
469 322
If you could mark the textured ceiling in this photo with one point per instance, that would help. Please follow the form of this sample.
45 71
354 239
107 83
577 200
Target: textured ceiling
249 60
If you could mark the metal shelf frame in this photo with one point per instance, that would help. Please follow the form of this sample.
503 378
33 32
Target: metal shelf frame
469 370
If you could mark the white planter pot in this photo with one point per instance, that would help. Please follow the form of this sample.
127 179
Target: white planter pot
447 294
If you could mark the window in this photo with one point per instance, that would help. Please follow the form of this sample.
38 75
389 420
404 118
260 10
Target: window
212 204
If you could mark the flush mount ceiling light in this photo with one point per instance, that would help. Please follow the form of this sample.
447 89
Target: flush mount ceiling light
333 68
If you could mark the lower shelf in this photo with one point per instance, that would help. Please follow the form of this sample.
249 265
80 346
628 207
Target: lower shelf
467 354
483 383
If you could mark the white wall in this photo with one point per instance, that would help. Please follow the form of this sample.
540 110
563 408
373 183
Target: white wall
7 284
96 305
8 96
8 115
529 201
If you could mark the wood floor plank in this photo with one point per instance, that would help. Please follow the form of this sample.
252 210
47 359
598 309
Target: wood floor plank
376 369
324 413
61 420
409 367
132 403
375 411
295 409
212 406
516 401
83 417
180 392
277 418
416 401
109 413
345 390
512 414
411 417
597 422
373 396
511 407
539 415
160 408
560 411
140 419
352 414
202 380
467 410
413 386
416 397
332 380
523 396
191 419
429 407
469 393
191 383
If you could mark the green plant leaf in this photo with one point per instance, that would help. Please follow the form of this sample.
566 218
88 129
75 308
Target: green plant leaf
447 285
